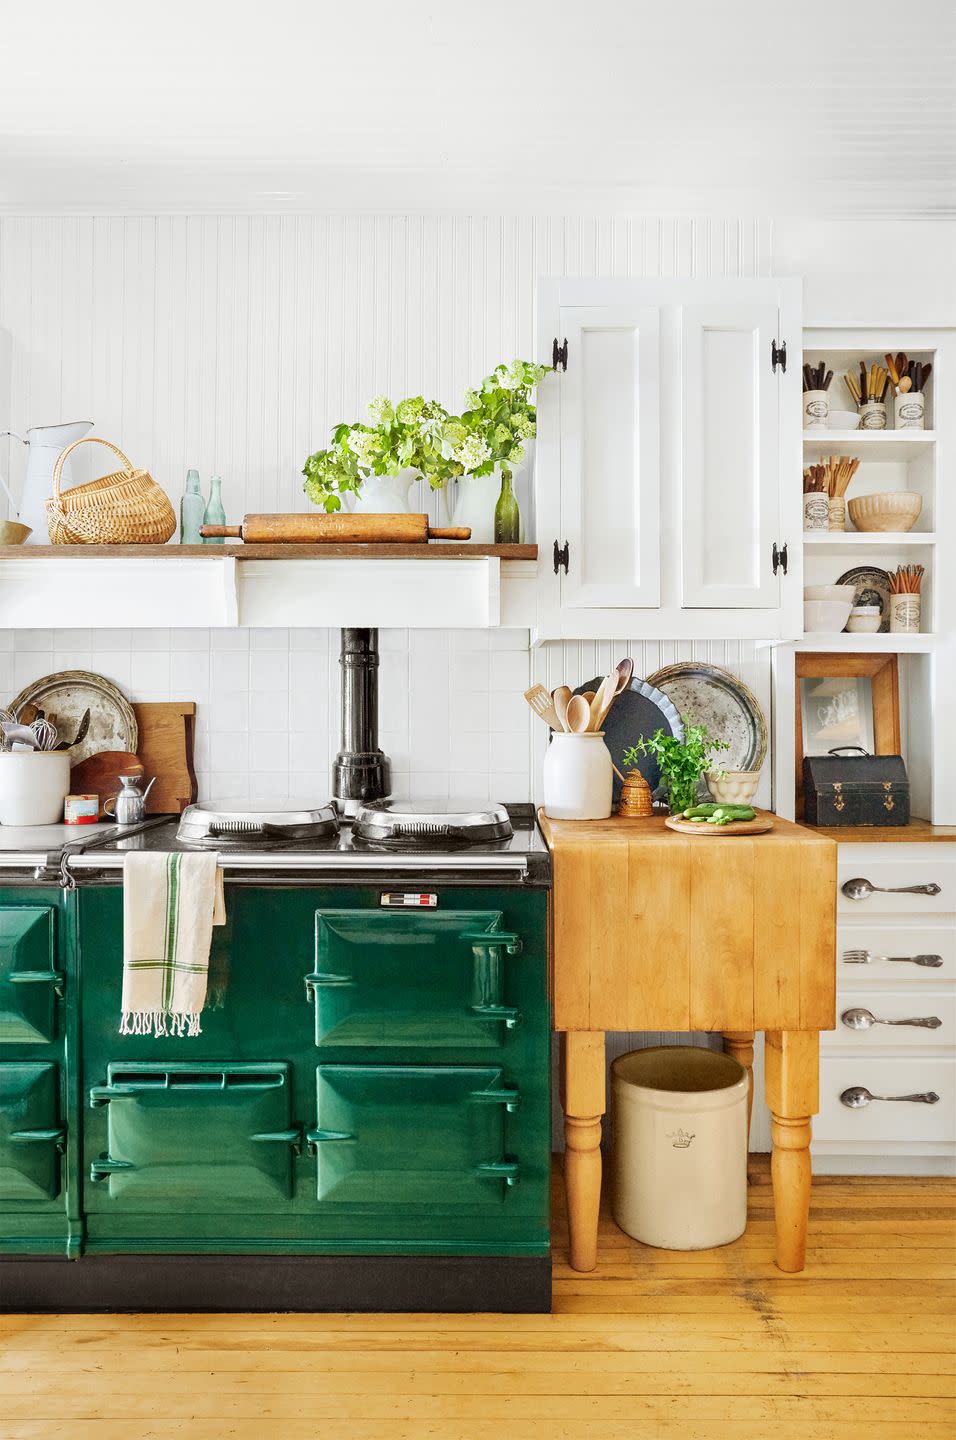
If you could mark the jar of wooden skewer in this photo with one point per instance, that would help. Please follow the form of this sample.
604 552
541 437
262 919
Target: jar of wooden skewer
824 489
905 586
635 802
869 393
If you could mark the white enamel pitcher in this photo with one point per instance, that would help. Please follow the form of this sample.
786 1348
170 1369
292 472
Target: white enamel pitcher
45 443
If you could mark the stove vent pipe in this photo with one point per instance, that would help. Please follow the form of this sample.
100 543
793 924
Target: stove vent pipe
360 771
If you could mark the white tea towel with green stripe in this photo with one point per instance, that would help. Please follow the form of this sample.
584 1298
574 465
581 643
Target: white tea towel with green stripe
170 904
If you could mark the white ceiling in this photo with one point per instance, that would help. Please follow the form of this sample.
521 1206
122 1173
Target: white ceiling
758 106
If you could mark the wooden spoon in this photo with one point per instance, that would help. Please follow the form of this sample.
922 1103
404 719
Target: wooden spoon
579 715
602 700
561 698
540 702
906 385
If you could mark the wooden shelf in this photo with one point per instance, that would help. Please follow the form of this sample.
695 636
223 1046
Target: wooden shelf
917 832
436 550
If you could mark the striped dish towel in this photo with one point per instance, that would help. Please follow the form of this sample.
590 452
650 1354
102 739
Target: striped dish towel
170 904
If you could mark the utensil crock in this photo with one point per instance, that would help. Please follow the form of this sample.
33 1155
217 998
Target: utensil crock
33 786
578 777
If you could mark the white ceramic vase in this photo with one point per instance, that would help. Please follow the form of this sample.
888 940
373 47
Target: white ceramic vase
386 494
477 498
578 777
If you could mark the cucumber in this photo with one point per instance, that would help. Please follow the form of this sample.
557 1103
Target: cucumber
699 812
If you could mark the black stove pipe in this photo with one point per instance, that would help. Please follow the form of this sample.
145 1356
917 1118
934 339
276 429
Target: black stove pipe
360 771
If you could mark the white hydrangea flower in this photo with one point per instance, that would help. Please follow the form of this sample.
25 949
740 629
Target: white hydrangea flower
363 446
471 452
524 427
408 410
517 454
472 399
380 410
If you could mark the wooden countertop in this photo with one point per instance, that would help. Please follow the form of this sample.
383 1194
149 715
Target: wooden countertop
917 832
664 931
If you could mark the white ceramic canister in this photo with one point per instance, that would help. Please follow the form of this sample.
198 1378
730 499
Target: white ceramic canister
909 410
578 777
873 415
816 409
904 614
385 494
836 509
33 786
816 511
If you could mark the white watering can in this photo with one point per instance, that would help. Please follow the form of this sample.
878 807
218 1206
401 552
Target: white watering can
45 444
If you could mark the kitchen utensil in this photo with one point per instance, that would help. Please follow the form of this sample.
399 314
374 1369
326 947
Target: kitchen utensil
14 734
165 747
126 507
906 385
335 529
860 889
129 806
711 696
638 711
46 733
760 826
620 678
80 735
578 715
891 510
68 695
733 787
859 1018
857 1096
33 786
45 443
561 698
864 957
101 774
543 706
872 588
602 699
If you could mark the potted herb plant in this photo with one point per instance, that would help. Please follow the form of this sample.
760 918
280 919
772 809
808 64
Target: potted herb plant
682 762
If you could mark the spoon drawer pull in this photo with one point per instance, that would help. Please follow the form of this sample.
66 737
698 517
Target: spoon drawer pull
861 889
858 1095
862 1019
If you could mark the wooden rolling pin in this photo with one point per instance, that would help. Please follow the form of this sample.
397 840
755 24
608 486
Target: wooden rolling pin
341 529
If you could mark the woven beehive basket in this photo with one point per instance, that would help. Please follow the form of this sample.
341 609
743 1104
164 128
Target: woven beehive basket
125 508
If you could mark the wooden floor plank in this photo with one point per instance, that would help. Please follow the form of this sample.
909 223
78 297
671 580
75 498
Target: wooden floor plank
678 1346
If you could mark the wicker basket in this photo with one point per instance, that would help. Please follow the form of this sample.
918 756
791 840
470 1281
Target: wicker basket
125 508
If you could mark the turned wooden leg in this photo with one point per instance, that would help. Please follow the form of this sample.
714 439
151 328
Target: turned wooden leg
740 1044
792 1064
583 1096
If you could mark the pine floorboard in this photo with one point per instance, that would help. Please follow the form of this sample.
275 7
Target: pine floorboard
710 1345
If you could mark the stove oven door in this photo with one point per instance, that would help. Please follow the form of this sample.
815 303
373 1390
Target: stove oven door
407 1138
412 980
200 1137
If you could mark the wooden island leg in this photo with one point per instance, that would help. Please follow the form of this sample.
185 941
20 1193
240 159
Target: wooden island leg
583 1097
740 1044
792 1064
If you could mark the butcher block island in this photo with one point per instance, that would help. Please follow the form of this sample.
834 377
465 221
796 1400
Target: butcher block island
654 930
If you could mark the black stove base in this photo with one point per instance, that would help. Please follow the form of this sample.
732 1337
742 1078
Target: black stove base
450 1284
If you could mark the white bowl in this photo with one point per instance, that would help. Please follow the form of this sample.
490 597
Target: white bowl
843 420
826 615
830 592
733 787
864 620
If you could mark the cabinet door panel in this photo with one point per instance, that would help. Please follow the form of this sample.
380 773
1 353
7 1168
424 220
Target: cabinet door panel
610 456
30 1136
729 456
28 980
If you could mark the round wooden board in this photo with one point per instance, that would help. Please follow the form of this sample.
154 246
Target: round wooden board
760 826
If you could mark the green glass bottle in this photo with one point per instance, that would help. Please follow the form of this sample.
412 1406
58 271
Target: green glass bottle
507 518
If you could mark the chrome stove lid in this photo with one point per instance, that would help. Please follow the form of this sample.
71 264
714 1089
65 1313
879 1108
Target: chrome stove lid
236 824
426 824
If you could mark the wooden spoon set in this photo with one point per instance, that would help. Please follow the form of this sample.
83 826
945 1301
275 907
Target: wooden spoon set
873 384
580 714
816 377
907 375
832 477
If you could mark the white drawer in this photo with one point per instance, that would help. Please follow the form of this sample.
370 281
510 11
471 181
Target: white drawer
899 869
886 1122
897 1004
934 936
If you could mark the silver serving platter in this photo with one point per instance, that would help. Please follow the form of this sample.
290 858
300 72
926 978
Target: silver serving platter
405 823
711 696
209 824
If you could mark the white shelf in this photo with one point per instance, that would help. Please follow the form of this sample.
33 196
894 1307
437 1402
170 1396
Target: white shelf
863 538
888 445
868 644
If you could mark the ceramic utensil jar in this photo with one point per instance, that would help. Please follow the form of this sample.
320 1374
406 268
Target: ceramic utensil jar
816 409
33 786
816 511
578 777
909 409
873 415
904 614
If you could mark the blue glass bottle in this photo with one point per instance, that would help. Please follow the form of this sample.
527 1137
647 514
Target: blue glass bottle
192 508
215 514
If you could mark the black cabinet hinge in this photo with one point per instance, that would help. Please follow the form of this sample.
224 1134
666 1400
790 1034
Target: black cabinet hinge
779 558
559 355
778 356
560 557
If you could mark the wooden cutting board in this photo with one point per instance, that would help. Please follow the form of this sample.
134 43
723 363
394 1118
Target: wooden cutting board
760 826
99 774
165 747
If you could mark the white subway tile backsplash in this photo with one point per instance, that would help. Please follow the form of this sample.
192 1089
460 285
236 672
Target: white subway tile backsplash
29 666
227 711
269 670
71 639
188 639
189 674
510 670
71 660
149 674
266 638
228 670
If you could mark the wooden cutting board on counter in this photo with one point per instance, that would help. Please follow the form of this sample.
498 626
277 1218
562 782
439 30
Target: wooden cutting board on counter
167 732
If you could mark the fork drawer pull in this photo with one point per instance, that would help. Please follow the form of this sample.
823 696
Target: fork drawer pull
863 957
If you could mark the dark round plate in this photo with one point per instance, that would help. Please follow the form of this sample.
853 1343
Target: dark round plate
872 588
636 713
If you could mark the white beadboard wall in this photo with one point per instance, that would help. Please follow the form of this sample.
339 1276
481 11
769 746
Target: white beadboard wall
232 344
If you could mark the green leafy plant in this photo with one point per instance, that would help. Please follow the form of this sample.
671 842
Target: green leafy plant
498 420
682 762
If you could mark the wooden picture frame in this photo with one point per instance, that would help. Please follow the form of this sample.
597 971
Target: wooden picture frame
883 673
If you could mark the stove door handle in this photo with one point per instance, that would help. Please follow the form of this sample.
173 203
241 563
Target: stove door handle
507 1013
506 1095
322 980
507 1170
494 938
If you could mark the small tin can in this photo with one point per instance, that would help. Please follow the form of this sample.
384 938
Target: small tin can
81 809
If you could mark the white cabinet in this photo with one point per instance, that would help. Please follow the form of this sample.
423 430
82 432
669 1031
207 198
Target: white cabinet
668 460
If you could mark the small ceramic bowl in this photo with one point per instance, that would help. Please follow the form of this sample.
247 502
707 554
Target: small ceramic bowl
845 593
827 616
733 787
843 420
864 620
